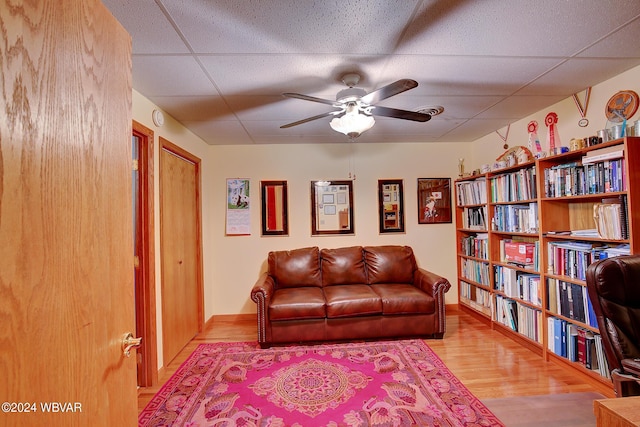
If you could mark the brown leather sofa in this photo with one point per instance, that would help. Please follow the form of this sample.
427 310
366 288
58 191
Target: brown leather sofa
351 293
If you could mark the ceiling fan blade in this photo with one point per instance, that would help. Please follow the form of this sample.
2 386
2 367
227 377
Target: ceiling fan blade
389 90
310 98
308 119
400 114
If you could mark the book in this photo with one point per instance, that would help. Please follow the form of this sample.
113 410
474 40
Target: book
591 359
582 337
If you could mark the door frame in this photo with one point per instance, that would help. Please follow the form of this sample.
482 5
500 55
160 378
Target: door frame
174 149
145 289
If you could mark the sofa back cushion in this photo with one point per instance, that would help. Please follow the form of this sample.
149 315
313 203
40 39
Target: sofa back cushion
389 264
343 266
295 268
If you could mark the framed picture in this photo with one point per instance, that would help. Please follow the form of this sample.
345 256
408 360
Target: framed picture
434 200
391 205
332 207
274 208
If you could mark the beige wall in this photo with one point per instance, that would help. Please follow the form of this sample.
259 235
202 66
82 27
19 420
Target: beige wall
233 263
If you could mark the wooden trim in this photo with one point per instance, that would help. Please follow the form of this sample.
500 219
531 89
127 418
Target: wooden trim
242 317
145 274
180 152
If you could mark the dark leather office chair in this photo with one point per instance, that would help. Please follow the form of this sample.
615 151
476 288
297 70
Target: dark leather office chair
614 289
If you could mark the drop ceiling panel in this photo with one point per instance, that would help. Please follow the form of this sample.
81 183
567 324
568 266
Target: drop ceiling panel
220 67
194 108
312 74
467 130
229 132
150 30
515 28
622 43
448 75
291 26
170 76
565 80
516 107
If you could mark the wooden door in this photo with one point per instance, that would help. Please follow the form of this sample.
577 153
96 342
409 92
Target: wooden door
66 287
180 243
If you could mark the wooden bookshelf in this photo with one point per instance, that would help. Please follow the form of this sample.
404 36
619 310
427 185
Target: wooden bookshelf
542 204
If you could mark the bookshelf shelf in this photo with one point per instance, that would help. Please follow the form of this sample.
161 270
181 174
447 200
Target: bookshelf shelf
545 209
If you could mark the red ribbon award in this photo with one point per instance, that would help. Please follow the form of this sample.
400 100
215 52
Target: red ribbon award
552 131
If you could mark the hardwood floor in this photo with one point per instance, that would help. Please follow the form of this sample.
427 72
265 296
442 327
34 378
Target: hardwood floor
488 363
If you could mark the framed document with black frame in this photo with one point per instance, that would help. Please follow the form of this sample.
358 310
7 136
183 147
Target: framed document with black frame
434 200
332 207
274 208
391 205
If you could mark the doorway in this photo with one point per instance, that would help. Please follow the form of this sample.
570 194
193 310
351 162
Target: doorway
144 254
181 253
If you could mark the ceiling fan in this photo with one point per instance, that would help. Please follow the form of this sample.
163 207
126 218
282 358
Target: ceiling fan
359 106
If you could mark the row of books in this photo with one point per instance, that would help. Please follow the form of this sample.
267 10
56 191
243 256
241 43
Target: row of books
514 186
471 192
574 179
475 245
474 218
611 218
477 298
577 344
475 271
570 300
572 257
515 218
520 318
517 284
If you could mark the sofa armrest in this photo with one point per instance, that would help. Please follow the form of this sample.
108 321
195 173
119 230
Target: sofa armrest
431 283
436 286
261 294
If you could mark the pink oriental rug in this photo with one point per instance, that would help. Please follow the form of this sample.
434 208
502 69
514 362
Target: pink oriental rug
389 383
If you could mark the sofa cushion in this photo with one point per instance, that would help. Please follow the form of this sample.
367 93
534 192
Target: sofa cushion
343 266
297 304
389 264
401 298
295 268
351 300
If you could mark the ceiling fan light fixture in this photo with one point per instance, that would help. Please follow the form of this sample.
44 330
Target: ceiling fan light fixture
352 123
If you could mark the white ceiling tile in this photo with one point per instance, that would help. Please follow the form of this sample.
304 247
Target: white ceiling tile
170 76
291 26
516 107
149 28
467 75
569 78
228 132
514 28
622 43
194 108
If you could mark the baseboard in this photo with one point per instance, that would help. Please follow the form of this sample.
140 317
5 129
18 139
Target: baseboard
242 317
451 307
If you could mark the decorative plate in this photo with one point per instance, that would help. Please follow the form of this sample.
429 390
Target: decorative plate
622 105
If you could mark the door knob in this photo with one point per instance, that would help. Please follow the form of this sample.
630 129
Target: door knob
129 342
